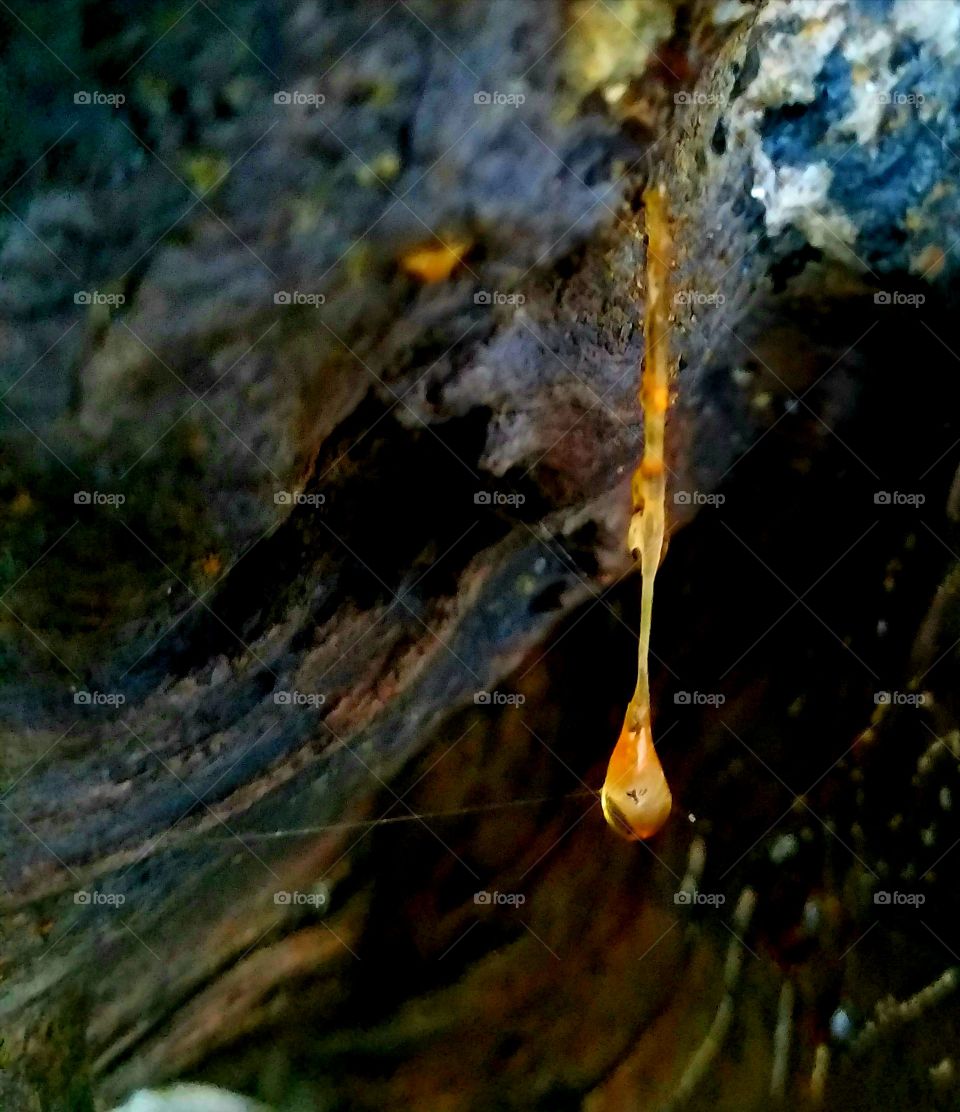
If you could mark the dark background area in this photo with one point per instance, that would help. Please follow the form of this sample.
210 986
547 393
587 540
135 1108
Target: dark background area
407 507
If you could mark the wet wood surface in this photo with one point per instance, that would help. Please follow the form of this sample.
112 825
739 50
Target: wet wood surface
319 622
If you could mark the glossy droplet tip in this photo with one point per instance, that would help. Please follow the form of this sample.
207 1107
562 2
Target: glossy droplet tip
635 798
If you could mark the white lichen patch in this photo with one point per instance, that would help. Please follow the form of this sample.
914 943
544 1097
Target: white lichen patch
791 62
730 11
936 25
189 1098
871 83
799 196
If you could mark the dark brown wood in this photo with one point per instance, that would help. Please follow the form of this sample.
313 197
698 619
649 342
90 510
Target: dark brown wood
302 736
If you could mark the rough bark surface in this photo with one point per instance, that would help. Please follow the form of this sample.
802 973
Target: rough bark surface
347 445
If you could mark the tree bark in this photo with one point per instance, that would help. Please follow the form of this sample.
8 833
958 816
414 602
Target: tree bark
317 618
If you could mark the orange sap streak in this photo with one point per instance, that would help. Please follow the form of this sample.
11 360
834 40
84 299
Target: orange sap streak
636 798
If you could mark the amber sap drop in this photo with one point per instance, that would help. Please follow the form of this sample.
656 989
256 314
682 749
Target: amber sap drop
636 798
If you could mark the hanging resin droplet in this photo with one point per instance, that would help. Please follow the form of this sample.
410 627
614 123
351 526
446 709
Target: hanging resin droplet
636 798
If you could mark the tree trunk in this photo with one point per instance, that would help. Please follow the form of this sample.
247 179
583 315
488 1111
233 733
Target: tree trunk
322 335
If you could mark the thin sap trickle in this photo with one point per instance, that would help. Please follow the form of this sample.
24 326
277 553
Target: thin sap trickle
636 797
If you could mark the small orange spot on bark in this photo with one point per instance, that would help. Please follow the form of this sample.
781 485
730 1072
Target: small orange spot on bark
212 564
435 262
930 262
